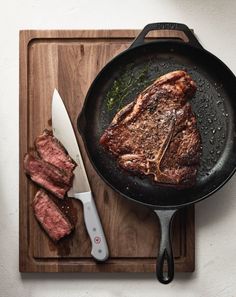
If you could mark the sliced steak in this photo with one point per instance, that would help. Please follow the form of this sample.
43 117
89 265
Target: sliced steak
53 221
48 176
51 151
156 134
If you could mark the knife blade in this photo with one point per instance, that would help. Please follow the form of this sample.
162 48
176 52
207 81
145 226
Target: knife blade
64 132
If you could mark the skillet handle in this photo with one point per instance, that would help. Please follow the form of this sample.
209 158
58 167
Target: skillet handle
187 36
165 251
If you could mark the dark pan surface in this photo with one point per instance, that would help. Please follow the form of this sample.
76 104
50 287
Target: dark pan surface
214 104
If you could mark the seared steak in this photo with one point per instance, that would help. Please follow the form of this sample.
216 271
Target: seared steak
156 134
54 170
50 177
53 221
51 151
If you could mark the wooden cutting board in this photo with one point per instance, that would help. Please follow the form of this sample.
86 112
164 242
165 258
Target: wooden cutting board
69 61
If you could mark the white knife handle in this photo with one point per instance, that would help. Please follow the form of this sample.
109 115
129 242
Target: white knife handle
93 224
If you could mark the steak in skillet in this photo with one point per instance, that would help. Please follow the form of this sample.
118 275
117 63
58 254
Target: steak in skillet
53 221
156 134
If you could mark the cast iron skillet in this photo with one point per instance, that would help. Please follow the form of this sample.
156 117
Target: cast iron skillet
214 105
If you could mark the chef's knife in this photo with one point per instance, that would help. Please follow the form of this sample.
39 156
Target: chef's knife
63 131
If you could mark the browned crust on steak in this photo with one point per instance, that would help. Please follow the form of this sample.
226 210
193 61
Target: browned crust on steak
156 134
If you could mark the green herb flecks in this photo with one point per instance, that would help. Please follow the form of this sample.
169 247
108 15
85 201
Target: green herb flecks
130 83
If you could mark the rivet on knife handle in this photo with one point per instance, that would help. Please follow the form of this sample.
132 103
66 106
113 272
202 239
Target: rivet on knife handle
94 227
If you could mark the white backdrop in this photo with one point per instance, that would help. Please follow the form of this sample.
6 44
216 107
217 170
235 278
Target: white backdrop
215 24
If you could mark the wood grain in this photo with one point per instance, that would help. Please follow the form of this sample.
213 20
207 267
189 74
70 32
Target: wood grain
70 60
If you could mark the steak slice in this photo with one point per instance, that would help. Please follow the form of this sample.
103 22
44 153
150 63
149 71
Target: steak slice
156 134
51 151
48 176
53 221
